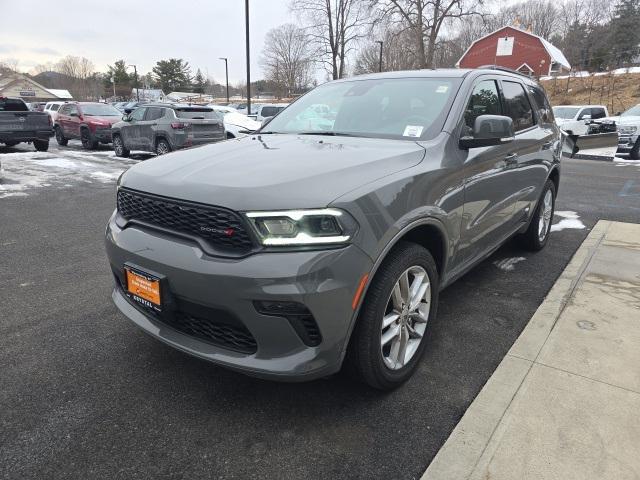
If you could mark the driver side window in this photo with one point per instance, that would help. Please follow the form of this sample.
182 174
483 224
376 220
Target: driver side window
484 100
138 114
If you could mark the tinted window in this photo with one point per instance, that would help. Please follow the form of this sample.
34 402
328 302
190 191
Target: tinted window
585 111
598 113
545 113
13 105
55 107
154 113
138 113
197 113
400 108
484 101
517 105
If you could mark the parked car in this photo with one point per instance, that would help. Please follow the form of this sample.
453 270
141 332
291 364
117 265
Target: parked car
162 127
285 253
575 119
235 123
120 105
268 110
88 121
242 108
36 106
628 123
52 109
19 124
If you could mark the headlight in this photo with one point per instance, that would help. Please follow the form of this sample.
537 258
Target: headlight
327 226
627 130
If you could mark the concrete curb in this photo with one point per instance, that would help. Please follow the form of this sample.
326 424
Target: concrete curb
480 427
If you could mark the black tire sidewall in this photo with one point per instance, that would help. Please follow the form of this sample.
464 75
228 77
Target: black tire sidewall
372 368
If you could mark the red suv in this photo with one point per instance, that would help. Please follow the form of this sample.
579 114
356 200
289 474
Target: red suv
89 121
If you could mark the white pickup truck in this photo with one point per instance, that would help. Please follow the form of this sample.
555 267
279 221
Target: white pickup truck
628 123
575 119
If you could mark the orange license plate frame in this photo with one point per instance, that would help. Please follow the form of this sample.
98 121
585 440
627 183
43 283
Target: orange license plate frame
144 288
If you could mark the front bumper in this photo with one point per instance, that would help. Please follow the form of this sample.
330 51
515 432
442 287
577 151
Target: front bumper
626 143
103 135
325 281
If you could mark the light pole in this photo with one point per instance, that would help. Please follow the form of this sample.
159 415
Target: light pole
135 71
113 80
380 62
226 72
246 20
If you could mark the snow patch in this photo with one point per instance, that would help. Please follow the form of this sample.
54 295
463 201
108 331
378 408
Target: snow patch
508 264
569 220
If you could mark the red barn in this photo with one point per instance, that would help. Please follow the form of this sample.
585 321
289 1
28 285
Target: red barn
517 49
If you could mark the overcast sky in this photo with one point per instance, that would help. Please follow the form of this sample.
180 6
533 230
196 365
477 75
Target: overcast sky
139 31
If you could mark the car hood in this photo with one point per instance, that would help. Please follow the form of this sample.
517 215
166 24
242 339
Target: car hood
627 120
241 121
271 172
97 119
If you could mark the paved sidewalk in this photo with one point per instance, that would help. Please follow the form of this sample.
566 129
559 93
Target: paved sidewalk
565 402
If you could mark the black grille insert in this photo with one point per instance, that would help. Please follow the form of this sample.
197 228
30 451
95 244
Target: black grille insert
219 228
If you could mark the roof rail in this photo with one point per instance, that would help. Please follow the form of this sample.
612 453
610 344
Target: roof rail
503 69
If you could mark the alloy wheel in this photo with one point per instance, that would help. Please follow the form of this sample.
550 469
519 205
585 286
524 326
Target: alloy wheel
406 316
162 148
544 222
117 145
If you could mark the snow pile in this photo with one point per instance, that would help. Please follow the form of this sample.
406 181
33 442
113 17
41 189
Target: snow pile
569 220
23 171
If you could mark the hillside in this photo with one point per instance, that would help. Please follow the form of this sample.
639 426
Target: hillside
617 92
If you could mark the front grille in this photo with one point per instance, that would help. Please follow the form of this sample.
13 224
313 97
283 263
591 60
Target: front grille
219 228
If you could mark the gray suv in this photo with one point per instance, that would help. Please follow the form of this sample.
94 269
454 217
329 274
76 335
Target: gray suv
325 240
161 128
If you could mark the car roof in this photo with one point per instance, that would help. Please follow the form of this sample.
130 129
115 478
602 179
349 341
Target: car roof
445 73
581 106
180 106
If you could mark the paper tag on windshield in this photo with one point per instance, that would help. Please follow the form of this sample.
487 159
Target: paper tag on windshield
413 131
442 89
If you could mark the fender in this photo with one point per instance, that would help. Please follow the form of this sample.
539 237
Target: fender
376 265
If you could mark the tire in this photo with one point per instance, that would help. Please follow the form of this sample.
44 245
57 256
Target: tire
634 154
162 146
119 148
11 144
537 234
60 137
88 143
41 145
369 358
230 136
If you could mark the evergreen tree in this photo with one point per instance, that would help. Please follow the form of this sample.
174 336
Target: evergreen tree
173 74
625 33
199 82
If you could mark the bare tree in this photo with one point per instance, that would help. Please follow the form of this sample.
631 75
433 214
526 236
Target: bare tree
286 59
426 19
9 65
334 27
80 72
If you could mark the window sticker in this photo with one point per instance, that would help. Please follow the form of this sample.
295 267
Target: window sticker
442 89
413 131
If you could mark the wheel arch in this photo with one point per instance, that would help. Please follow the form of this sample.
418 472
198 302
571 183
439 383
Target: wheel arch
554 176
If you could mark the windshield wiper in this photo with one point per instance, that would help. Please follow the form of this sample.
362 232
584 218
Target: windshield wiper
326 133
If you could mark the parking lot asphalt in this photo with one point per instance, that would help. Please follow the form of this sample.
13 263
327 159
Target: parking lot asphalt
85 394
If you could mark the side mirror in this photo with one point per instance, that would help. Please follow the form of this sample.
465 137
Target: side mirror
128 110
488 131
126 117
266 120
587 119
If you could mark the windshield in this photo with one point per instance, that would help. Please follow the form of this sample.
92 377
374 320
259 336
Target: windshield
566 113
197 114
100 110
400 108
633 111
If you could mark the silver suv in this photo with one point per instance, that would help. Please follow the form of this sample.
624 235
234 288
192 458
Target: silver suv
161 128
326 237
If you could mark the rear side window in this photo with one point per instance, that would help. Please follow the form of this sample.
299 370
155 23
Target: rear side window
484 101
12 105
584 112
270 111
545 113
517 105
154 113
197 113
597 112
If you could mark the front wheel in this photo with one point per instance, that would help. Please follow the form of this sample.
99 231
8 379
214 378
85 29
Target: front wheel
88 143
119 148
536 236
41 145
634 154
388 339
